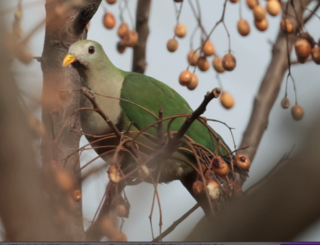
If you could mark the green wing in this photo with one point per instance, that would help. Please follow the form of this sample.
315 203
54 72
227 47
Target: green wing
153 94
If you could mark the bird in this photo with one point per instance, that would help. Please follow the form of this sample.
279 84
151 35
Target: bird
103 78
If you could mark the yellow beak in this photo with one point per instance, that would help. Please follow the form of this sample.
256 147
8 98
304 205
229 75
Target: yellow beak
68 60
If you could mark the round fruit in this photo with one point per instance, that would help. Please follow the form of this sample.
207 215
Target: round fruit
172 45
297 112
220 167
76 195
242 161
180 30
88 25
185 78
286 26
113 174
285 103
109 21
130 39
226 100
203 64
121 210
315 52
229 62
193 58
119 237
243 27
193 83
273 7
120 47
123 30
208 48
259 12
213 189
261 25
251 3
197 187
217 64
302 48
111 1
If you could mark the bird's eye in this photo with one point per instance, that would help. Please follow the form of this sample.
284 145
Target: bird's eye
91 50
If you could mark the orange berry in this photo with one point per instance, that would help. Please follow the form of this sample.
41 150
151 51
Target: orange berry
172 45
111 1
88 25
197 187
185 77
123 30
113 174
203 64
273 7
259 12
243 27
286 26
193 58
108 20
208 48
130 39
76 195
180 30
242 161
229 62
226 100
193 83
261 25
213 189
220 167
217 64
285 103
251 3
315 52
120 47
121 210
297 112
302 48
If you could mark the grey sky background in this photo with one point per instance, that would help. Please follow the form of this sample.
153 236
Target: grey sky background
253 55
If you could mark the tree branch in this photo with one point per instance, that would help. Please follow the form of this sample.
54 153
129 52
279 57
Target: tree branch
139 52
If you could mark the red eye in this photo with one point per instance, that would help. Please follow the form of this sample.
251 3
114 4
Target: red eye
91 50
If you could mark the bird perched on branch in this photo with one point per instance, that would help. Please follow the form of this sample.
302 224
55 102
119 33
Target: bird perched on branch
132 102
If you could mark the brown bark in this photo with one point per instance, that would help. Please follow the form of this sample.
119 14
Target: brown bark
139 52
278 209
61 96
270 87
24 210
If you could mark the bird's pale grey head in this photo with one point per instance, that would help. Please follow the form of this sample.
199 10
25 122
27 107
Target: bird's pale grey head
84 54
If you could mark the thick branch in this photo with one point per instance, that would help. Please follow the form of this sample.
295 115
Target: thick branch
139 52
269 89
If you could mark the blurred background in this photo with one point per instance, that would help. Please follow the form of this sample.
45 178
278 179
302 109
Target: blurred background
253 55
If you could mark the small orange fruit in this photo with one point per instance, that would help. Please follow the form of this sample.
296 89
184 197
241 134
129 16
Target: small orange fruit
108 20
180 30
302 48
261 25
172 45
229 62
185 77
123 30
242 161
226 100
130 39
217 64
259 12
297 112
120 47
315 52
113 174
208 48
273 7
243 27
285 103
193 57
203 64
251 3
111 1
197 187
121 210
220 167
286 26
213 189
193 83
88 25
